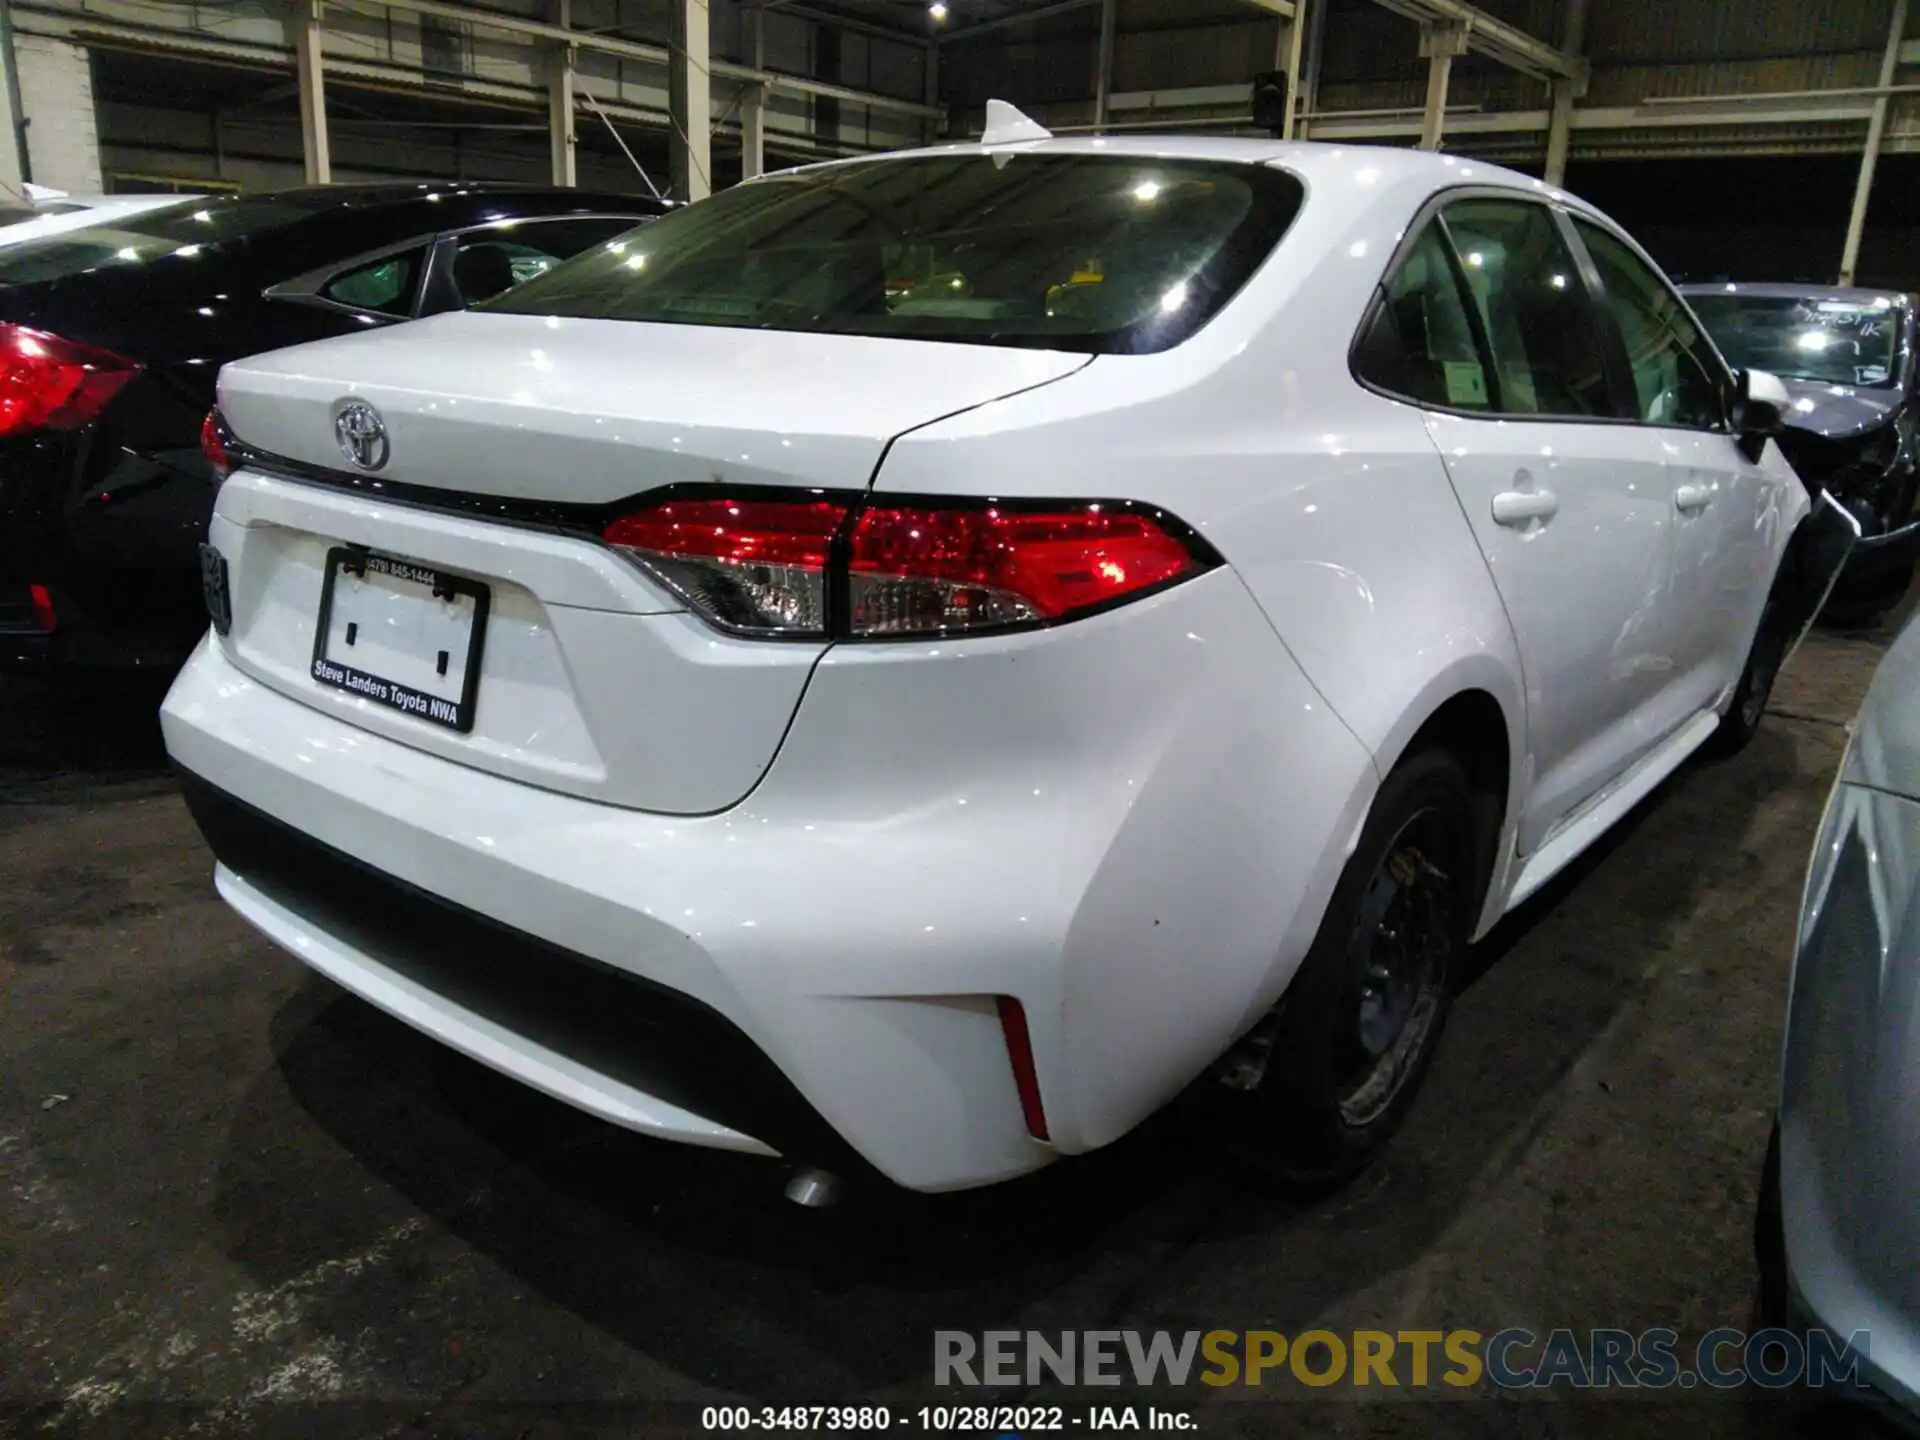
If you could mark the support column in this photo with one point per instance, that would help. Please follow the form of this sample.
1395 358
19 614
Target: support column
690 101
1870 157
313 95
753 103
560 108
1438 45
1310 81
1573 40
932 96
1103 62
15 169
1287 53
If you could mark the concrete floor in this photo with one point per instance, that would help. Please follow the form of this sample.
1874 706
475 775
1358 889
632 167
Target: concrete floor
235 1201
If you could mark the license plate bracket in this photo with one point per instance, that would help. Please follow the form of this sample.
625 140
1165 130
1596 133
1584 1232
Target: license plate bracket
402 635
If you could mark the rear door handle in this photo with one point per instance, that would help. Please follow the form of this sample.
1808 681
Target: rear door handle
1522 507
1692 499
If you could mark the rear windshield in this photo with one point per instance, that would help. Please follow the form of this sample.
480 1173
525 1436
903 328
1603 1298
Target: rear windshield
147 235
1844 342
1090 253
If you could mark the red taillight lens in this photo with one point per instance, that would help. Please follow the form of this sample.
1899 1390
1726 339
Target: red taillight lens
769 566
922 568
47 383
1026 1079
43 614
213 444
757 566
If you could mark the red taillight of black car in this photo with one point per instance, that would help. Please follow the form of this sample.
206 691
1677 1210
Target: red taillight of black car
48 383
819 565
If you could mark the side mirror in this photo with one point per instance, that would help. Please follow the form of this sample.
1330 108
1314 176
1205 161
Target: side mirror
1759 410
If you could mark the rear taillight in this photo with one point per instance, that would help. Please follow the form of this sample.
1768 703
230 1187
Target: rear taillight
47 383
213 444
917 569
756 566
838 566
43 613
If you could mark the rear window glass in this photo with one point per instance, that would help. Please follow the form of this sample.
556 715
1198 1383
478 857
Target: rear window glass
1071 252
188 227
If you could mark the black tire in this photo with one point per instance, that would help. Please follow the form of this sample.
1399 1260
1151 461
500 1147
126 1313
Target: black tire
1356 1030
1741 720
1856 607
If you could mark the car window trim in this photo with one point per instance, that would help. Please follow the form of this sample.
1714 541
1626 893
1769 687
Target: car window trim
305 288
1470 307
1718 372
440 296
1622 400
1613 338
516 222
1429 210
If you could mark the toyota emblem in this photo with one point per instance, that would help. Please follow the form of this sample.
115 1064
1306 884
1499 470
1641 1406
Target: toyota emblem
361 433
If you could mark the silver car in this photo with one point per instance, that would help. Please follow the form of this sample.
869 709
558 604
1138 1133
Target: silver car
1839 1222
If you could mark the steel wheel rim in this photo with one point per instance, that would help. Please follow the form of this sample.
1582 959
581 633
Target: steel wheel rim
1399 959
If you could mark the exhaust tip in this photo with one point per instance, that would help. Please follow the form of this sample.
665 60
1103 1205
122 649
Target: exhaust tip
814 1188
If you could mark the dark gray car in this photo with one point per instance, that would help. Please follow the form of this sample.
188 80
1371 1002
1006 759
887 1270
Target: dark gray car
1849 358
1839 1223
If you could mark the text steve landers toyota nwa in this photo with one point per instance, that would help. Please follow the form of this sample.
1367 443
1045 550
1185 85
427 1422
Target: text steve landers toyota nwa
1511 1358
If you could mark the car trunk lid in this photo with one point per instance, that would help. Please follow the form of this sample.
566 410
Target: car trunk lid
588 676
592 411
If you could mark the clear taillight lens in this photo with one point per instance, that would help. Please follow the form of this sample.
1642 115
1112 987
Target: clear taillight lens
920 569
755 566
47 383
833 565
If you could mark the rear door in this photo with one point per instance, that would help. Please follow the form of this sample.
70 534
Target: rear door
1567 497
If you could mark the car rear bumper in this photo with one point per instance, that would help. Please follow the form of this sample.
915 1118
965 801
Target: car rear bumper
1141 867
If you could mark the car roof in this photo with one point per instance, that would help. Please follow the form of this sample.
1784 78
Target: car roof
409 192
1356 179
1384 165
1785 290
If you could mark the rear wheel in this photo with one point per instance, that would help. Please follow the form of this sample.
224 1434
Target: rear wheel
1351 1039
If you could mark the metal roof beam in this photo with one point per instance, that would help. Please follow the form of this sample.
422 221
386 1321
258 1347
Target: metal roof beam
1507 44
987 27
635 50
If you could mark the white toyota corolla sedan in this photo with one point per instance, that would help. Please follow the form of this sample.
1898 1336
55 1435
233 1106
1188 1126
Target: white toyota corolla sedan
928 656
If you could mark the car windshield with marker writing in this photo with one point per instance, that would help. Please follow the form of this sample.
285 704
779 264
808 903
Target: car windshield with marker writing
1842 342
1087 253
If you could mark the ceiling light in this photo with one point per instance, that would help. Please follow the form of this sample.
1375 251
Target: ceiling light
937 10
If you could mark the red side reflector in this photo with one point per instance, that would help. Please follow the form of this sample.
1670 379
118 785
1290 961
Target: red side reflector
43 615
1013 1023
47 383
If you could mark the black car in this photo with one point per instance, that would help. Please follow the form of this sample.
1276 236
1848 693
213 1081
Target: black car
1848 357
111 339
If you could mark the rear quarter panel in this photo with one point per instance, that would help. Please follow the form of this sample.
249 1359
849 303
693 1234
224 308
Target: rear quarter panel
1330 502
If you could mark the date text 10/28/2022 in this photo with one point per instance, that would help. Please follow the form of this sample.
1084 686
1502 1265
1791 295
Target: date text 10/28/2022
998 1420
